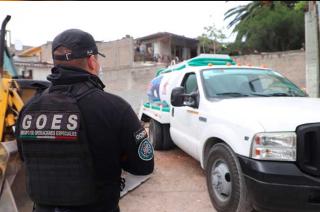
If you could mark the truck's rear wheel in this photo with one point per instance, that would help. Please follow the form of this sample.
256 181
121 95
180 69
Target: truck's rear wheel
167 141
160 136
155 134
225 182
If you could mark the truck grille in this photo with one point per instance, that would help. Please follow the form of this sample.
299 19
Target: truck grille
308 148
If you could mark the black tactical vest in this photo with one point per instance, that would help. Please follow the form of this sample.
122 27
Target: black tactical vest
55 147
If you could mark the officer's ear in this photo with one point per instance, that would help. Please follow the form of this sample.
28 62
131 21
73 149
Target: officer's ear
93 64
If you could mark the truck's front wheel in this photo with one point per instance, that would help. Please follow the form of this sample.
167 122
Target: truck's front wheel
225 182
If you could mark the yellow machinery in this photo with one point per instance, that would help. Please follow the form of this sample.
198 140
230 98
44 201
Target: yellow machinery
12 99
10 105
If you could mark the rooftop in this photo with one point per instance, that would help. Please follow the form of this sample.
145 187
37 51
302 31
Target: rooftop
164 34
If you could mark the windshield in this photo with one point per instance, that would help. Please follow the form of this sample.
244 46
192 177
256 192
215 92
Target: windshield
247 82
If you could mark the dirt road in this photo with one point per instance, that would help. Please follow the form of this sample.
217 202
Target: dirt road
177 185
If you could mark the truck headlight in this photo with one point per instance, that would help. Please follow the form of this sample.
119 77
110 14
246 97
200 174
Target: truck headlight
278 146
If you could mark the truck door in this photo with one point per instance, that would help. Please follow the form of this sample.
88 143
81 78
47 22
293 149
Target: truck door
184 119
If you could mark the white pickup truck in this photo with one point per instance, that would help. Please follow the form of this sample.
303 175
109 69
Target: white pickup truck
255 133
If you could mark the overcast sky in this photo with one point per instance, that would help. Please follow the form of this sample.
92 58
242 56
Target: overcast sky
35 23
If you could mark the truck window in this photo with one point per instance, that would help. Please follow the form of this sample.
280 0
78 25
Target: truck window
242 82
190 83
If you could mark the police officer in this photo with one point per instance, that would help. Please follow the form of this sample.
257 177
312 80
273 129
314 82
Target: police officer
75 139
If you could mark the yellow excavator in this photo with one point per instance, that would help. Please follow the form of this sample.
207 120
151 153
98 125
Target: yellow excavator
14 93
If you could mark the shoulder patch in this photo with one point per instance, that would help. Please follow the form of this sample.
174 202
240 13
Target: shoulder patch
140 135
145 150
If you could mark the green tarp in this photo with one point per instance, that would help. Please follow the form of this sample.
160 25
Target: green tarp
212 61
9 66
156 107
199 61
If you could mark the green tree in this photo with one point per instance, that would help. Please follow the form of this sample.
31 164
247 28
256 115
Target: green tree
242 13
301 6
204 43
271 26
212 38
216 35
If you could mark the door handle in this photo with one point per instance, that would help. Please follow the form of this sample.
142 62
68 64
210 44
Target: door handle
203 119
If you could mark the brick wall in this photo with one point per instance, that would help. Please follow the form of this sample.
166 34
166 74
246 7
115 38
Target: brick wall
119 53
45 55
291 64
131 84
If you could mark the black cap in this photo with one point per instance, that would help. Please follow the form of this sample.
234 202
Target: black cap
79 42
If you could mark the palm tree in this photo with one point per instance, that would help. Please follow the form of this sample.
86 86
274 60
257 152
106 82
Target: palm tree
242 13
248 20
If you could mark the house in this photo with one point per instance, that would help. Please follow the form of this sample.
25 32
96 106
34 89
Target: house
124 53
164 47
30 65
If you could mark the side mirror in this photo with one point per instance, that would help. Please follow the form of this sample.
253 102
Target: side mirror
177 96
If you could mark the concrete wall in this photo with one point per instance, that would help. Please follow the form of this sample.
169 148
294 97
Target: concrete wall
186 53
32 59
156 48
291 64
165 48
39 71
119 53
45 55
131 84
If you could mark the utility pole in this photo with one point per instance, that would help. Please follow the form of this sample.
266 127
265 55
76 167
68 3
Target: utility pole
312 49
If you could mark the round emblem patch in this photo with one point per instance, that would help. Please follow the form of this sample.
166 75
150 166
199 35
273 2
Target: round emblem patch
145 150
